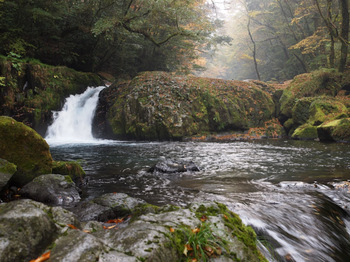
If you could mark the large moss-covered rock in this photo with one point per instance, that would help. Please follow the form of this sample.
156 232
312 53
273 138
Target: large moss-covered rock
313 99
158 105
32 90
7 169
318 83
21 145
336 130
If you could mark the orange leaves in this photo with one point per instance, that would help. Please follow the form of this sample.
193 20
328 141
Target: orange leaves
196 230
115 222
72 226
43 257
172 230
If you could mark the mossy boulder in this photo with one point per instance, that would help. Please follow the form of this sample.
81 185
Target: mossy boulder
318 83
21 145
69 168
305 132
7 169
313 99
32 90
159 105
336 130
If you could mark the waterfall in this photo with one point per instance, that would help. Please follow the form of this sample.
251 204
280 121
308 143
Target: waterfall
73 124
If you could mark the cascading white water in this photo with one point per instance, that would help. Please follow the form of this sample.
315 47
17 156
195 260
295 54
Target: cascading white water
73 123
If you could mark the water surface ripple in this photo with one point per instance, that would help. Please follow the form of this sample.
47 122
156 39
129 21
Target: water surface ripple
292 192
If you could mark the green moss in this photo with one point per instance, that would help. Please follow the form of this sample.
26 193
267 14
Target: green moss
7 167
25 148
305 132
69 168
232 221
325 109
300 111
68 179
336 130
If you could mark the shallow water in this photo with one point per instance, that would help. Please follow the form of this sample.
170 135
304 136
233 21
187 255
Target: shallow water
291 192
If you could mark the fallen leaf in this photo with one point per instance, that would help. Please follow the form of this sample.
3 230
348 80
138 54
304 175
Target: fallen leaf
185 251
225 216
86 231
172 230
116 221
43 257
114 226
196 230
204 218
72 226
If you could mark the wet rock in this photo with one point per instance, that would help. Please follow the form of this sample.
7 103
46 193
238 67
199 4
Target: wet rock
22 146
29 228
107 206
52 189
7 169
170 166
77 245
26 230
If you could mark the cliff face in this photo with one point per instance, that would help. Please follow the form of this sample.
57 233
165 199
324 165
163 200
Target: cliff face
29 91
158 105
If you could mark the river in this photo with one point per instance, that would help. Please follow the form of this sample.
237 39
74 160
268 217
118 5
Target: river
295 194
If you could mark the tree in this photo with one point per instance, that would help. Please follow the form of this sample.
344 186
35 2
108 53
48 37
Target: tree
120 36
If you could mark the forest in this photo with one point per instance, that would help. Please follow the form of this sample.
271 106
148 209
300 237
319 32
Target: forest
265 40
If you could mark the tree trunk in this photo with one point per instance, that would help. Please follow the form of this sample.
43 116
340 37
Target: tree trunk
344 34
332 54
254 49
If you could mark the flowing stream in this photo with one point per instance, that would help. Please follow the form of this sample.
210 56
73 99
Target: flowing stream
295 194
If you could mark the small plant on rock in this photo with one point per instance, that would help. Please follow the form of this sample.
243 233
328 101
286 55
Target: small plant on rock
202 243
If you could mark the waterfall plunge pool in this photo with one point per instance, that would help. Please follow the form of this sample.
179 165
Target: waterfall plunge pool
295 194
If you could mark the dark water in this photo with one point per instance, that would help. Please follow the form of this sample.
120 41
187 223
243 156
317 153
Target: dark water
293 193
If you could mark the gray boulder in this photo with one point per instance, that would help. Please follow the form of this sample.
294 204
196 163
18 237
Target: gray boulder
52 189
107 206
25 230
